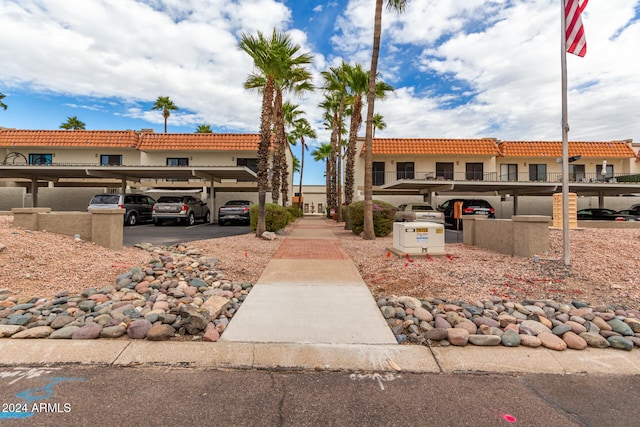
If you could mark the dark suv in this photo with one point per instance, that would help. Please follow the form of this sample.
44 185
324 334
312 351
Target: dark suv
469 207
138 207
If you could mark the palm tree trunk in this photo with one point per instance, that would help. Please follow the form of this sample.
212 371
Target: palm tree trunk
301 170
278 149
368 232
263 154
356 121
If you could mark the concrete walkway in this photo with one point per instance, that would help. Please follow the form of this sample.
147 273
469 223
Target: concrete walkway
310 293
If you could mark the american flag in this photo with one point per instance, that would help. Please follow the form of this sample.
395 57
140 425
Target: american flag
576 40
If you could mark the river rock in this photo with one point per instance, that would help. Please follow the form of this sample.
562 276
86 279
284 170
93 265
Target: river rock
561 329
61 321
115 331
8 330
89 331
436 334
576 327
595 340
35 332
65 333
552 341
537 327
161 332
530 341
458 337
634 324
410 302
620 343
620 327
511 339
484 340
211 334
138 329
574 341
423 314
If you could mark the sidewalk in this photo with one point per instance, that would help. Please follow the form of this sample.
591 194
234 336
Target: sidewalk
311 310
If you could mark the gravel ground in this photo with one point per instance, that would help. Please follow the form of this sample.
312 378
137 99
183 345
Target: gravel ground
604 266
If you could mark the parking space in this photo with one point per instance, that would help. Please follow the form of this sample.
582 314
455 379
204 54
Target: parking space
172 233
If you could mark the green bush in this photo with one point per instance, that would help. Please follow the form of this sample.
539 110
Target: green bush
275 217
295 211
382 217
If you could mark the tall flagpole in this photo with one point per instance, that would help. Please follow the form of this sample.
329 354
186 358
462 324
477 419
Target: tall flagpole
565 140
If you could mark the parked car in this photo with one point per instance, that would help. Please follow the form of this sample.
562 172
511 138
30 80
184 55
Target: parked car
138 207
597 214
469 207
180 208
417 212
234 211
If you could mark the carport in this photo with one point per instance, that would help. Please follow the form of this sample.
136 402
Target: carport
535 188
54 173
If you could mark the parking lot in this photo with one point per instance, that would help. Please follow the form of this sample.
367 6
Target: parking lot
172 233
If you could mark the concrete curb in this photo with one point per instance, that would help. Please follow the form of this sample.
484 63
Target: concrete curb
319 357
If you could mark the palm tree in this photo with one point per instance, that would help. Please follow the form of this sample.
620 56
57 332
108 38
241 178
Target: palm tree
335 84
167 106
399 6
378 123
275 59
2 104
323 153
358 86
301 129
205 128
73 123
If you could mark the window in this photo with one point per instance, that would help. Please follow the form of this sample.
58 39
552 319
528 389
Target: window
509 172
177 161
40 159
474 172
378 174
404 170
537 172
111 160
444 170
250 163
576 173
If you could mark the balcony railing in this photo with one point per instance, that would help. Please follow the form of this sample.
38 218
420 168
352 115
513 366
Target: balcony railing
381 178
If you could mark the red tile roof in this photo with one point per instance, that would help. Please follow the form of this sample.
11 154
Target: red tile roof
611 149
199 141
68 138
129 139
484 146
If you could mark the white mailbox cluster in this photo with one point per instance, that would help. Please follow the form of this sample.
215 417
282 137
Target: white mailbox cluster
416 238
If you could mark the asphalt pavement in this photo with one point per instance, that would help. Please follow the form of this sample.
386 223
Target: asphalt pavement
174 396
172 233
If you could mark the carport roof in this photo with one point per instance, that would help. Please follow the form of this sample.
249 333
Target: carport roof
521 188
133 173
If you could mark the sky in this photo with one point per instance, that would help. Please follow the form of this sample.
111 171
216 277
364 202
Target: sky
460 69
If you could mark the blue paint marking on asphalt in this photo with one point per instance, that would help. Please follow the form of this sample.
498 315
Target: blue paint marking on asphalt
35 394
7 415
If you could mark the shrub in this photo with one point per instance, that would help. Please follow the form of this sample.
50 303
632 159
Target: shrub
275 217
382 217
294 211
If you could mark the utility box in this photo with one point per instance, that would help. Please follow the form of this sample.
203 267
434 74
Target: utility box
418 238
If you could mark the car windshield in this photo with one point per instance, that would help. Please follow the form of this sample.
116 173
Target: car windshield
237 203
105 199
170 199
421 208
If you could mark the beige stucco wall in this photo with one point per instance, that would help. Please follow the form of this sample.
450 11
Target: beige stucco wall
90 156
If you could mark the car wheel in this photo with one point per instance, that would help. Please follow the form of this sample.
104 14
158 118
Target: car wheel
191 219
207 218
157 222
221 223
132 219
